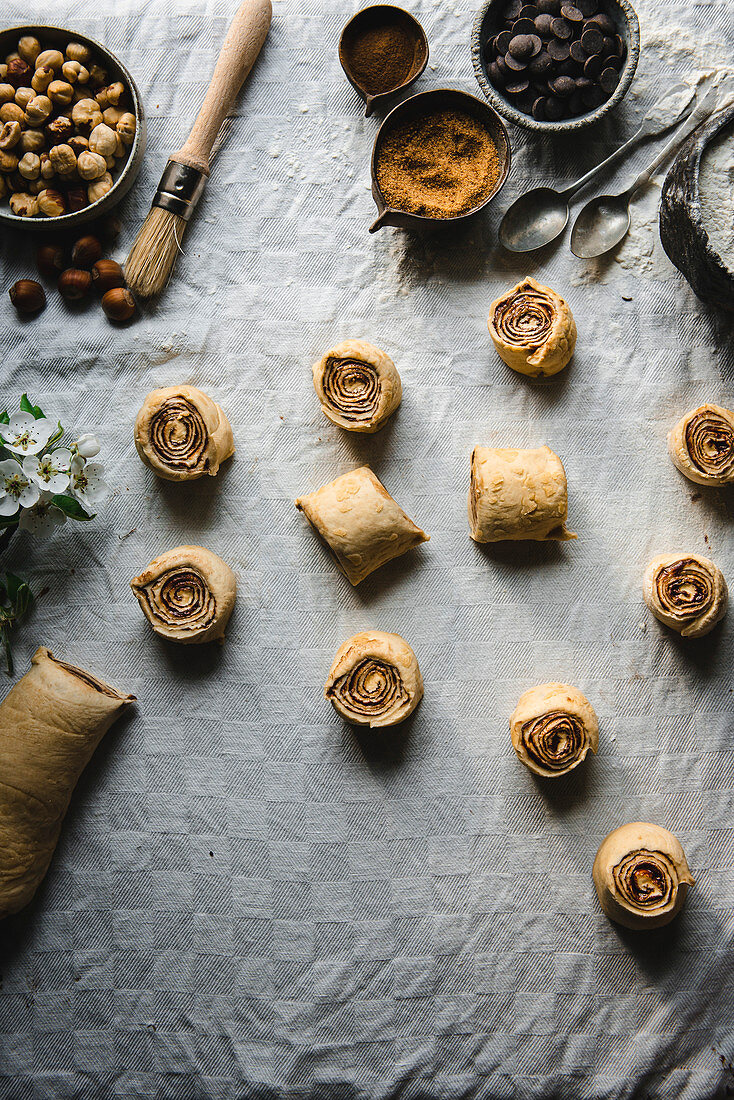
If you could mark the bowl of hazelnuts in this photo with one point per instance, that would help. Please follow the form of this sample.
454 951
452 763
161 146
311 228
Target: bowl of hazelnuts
72 128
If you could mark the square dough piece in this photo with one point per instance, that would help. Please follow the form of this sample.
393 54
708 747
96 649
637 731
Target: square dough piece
516 494
360 523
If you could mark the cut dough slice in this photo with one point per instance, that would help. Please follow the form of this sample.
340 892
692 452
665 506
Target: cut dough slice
181 434
187 594
532 329
553 728
517 495
687 592
701 445
641 875
374 680
358 386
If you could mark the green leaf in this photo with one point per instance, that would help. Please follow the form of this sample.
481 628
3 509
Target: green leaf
5 418
27 407
8 521
13 585
70 507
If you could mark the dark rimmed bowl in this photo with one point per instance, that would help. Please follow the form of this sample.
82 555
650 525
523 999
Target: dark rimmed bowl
422 103
487 23
59 37
372 17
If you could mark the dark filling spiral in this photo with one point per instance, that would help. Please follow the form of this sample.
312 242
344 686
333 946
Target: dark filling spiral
524 318
710 444
181 597
684 588
178 435
554 740
352 388
646 880
371 690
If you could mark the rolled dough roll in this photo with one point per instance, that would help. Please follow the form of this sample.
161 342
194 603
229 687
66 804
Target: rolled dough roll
701 445
687 592
517 495
181 434
641 875
187 595
553 728
532 329
358 386
374 680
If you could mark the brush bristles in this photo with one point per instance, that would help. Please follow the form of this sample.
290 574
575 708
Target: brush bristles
154 253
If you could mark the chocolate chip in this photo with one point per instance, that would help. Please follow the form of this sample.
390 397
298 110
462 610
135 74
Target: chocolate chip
543 24
593 67
541 65
515 64
604 23
621 48
539 109
502 42
563 86
528 11
609 80
608 46
523 26
518 87
521 47
571 13
588 8
578 53
561 29
613 62
593 97
513 9
592 40
549 7
583 82
554 108
495 75
567 68
558 51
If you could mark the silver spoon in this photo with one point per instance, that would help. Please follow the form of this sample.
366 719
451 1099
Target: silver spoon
540 215
605 220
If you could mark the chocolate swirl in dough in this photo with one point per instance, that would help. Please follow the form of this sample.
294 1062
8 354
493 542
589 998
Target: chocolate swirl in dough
181 434
641 875
374 680
517 495
357 385
532 329
553 727
686 592
701 445
187 594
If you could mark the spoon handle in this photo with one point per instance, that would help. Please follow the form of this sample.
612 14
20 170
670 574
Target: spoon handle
706 107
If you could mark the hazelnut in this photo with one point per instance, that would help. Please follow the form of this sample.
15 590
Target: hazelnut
11 112
76 199
41 78
111 95
7 93
19 73
103 139
126 128
38 110
23 97
99 188
118 304
112 115
34 187
9 135
86 115
59 131
78 143
63 159
50 260
27 296
51 203
11 57
97 76
74 73
60 92
29 166
107 275
3 70
91 165
75 51
29 48
53 58
48 172
24 205
8 161
86 251
3 187
74 284
32 141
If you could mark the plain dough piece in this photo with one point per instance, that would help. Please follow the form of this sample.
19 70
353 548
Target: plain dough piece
553 727
641 875
374 680
358 386
181 434
689 620
360 523
532 329
701 445
187 595
51 722
517 495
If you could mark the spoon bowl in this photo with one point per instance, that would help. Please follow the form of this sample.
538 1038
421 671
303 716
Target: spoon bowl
533 220
601 225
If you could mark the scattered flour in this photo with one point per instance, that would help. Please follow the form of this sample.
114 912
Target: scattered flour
716 187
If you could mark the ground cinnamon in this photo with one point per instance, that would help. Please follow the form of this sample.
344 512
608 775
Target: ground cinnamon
440 165
380 58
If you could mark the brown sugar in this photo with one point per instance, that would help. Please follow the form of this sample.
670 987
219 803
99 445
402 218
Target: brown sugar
380 58
440 165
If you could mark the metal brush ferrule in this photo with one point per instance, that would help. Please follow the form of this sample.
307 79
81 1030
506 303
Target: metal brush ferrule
180 189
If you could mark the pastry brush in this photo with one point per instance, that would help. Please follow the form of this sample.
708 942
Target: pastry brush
158 243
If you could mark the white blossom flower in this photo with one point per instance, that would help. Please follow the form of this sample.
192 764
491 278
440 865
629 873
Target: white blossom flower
51 471
87 483
25 435
43 518
16 488
87 445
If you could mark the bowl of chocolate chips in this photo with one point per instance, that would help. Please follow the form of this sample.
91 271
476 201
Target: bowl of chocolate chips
555 65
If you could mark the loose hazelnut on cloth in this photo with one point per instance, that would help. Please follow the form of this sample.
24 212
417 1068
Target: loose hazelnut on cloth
641 876
374 680
181 434
517 494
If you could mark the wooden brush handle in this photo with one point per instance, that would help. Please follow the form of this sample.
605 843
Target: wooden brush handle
243 43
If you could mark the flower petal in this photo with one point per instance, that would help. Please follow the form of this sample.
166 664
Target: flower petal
29 495
8 506
88 445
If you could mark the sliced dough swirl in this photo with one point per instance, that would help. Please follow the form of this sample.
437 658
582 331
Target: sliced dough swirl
187 594
532 329
374 680
358 386
517 495
641 875
686 592
701 445
553 728
181 434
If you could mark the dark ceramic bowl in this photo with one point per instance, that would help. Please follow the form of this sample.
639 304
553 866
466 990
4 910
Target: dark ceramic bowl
124 177
423 102
375 16
488 23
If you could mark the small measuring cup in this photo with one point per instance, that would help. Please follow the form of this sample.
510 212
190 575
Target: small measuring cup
383 15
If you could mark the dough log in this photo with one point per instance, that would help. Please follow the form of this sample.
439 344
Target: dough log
360 523
187 594
701 445
51 722
517 495
641 875
532 329
687 592
181 434
374 680
357 385
553 727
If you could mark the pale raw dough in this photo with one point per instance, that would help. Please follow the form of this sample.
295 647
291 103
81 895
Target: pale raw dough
701 445
51 722
641 875
687 592
517 495
187 594
358 386
374 680
360 523
532 329
553 727
181 434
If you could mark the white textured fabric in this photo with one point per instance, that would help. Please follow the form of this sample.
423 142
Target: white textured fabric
249 899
